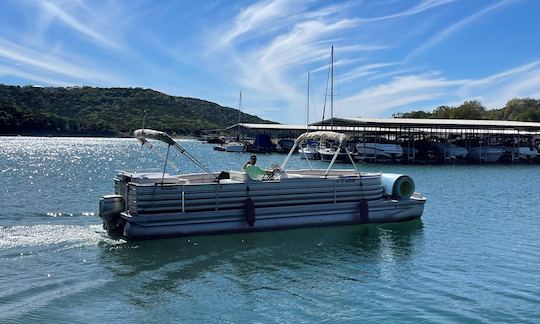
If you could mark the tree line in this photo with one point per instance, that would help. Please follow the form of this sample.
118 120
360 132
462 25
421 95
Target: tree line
517 109
108 111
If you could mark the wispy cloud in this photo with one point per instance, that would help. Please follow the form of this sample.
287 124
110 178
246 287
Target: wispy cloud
18 73
413 91
41 62
419 8
253 18
400 91
52 10
449 30
287 39
266 48
364 70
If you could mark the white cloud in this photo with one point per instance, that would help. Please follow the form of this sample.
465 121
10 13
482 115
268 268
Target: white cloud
408 92
42 63
254 18
364 70
400 91
18 73
449 30
421 7
55 11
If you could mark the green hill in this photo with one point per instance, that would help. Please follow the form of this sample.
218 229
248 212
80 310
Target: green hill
108 111
524 109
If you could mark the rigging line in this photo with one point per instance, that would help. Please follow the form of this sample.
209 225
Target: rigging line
326 91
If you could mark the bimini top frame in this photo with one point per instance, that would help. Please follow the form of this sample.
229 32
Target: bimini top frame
143 135
321 135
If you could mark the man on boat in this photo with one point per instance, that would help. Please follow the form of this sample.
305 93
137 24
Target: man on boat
252 161
253 171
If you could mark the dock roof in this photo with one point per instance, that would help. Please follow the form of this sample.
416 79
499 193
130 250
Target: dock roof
436 123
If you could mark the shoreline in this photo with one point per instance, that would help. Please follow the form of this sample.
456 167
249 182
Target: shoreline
184 137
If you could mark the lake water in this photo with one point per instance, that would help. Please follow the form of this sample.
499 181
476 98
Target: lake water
473 257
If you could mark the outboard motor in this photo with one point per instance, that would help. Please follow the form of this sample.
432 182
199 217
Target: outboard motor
110 207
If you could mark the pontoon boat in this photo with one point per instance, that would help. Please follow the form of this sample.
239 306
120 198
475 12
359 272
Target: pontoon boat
157 204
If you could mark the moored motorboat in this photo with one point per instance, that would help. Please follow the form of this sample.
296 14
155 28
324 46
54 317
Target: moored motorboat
375 150
309 151
488 154
328 153
234 146
157 204
527 153
449 151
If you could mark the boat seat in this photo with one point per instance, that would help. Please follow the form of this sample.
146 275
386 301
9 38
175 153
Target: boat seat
239 176
153 178
229 181
285 175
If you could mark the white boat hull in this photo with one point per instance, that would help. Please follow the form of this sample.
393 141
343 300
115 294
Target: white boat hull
310 154
449 150
328 154
379 150
488 154
234 147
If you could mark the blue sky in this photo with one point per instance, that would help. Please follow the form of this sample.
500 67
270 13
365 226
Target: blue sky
390 56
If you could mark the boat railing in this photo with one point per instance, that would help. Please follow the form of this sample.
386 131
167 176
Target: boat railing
322 135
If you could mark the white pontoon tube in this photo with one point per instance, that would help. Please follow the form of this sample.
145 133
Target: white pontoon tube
325 135
143 134
398 185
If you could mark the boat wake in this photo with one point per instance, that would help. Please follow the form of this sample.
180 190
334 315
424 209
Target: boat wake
22 239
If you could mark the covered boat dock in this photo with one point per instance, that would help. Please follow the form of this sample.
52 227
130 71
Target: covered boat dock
413 134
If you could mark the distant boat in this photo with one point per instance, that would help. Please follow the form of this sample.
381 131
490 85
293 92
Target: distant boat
527 153
327 154
371 150
448 150
262 144
234 147
237 146
285 145
310 151
488 154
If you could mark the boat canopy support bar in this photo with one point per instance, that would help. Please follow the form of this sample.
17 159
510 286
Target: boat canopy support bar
144 134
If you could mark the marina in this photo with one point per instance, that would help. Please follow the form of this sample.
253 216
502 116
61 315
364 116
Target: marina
404 140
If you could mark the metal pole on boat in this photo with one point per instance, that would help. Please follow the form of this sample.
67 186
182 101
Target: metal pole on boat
165 165
307 113
352 160
289 155
309 163
332 89
143 118
333 158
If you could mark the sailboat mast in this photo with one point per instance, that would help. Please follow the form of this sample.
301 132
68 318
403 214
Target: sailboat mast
307 113
332 89
239 115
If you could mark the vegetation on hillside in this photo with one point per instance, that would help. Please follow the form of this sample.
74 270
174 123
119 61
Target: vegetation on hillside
524 109
108 111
